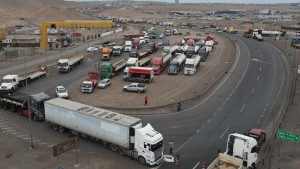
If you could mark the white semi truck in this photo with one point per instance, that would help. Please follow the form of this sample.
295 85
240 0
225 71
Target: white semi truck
191 65
243 147
121 133
12 82
66 65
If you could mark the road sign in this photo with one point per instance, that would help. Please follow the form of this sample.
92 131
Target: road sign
287 136
65 146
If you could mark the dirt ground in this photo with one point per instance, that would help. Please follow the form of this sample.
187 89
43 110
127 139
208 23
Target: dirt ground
166 89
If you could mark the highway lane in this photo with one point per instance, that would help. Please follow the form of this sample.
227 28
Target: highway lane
246 99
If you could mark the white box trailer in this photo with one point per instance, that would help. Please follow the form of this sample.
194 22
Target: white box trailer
224 161
121 133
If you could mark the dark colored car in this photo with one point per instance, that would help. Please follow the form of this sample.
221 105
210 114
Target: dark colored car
152 47
109 43
203 54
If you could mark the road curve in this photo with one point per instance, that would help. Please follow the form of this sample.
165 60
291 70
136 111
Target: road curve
248 97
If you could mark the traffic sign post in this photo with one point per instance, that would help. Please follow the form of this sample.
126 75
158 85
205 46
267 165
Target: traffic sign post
287 136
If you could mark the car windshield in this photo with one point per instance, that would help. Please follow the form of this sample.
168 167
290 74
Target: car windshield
61 90
103 82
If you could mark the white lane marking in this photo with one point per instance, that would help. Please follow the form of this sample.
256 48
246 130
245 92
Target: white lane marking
259 55
224 132
196 165
183 145
260 69
243 107
6 128
256 60
257 78
23 135
252 91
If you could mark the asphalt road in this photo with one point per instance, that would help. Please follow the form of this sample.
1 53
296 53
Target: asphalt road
249 96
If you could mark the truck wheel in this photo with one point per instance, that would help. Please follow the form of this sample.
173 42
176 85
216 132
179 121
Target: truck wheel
55 127
122 151
61 129
34 117
142 160
13 108
114 148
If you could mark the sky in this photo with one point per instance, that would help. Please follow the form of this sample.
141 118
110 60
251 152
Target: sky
219 1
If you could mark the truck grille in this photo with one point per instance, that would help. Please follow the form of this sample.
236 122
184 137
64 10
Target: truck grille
158 154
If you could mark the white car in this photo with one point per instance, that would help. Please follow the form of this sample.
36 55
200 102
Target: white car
160 43
91 49
62 92
135 87
104 83
161 36
142 40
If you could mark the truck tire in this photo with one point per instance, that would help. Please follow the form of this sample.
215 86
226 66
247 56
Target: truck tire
61 129
125 90
55 127
142 160
114 148
122 151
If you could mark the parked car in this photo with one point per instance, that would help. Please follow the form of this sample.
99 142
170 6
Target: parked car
109 43
104 83
62 92
152 47
161 36
98 47
135 87
160 43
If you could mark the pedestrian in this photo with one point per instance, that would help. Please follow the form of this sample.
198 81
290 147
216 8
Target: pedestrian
171 145
178 106
203 165
146 100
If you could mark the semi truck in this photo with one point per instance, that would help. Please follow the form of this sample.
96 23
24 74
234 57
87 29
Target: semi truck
117 50
18 102
176 64
109 70
136 43
90 83
224 161
209 45
121 133
128 46
66 65
243 147
135 62
168 32
13 82
106 52
191 65
139 74
159 63
135 54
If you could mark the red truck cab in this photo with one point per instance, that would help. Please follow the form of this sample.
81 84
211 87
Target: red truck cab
259 135
136 43
157 65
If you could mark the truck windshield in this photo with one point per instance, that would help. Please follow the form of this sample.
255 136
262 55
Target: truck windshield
7 81
189 52
62 64
156 146
189 65
129 65
105 53
104 69
128 46
132 54
155 65
87 85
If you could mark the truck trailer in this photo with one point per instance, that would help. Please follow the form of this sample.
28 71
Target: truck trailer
139 74
18 102
121 133
224 161
191 65
66 65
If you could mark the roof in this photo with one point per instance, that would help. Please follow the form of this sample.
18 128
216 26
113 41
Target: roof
95 112
256 131
40 97
142 68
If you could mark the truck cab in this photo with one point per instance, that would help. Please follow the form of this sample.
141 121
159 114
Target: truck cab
136 43
147 38
190 52
133 53
106 53
89 84
173 67
166 50
63 65
117 50
10 82
259 135
128 46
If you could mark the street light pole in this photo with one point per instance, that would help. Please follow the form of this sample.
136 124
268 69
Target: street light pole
29 112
